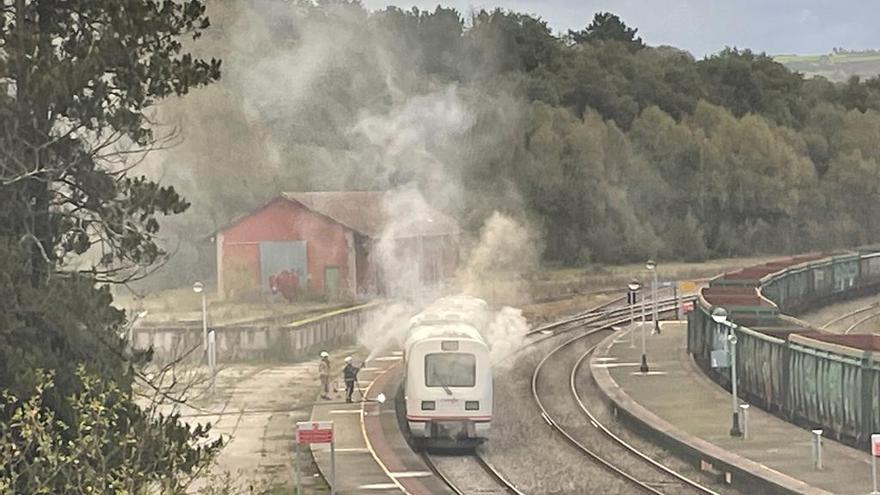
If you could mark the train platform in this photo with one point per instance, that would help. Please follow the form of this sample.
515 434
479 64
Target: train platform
683 409
372 455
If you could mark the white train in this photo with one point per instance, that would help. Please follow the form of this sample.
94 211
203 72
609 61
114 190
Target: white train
448 381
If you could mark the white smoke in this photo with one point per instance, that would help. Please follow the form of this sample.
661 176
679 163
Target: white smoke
386 329
505 335
498 267
399 252
404 145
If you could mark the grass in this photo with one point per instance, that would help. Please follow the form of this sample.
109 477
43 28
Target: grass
834 66
838 58
182 305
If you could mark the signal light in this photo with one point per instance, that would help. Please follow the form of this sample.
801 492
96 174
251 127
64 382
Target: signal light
428 405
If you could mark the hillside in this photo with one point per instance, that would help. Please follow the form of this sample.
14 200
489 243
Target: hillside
838 66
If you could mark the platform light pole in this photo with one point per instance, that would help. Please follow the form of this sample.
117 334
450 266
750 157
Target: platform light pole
652 266
633 296
138 318
644 366
199 288
719 315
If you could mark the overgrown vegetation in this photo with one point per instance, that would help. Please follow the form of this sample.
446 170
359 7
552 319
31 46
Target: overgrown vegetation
616 151
613 149
77 80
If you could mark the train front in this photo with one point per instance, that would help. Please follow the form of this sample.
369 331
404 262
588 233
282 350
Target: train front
449 388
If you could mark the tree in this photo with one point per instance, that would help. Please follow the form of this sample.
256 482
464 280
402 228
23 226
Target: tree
508 41
607 27
79 79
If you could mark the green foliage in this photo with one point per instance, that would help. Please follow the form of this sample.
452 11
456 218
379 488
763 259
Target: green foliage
617 150
78 83
79 79
608 27
107 445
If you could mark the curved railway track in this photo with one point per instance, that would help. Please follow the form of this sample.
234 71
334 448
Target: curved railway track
644 473
594 421
474 475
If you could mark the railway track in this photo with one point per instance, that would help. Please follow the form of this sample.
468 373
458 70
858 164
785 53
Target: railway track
617 457
472 474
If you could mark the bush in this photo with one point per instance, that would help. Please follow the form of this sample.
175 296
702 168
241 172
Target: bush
108 446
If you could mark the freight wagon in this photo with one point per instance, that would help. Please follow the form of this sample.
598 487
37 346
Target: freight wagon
809 377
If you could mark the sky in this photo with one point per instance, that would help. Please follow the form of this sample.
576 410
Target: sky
706 26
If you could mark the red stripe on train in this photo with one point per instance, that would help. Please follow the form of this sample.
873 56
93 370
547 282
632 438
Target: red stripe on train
449 418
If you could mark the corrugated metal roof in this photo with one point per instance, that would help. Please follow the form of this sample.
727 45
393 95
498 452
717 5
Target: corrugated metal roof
367 212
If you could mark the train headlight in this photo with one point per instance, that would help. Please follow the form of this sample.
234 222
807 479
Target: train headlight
472 405
428 405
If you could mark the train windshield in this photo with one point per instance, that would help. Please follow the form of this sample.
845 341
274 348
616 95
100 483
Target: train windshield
450 369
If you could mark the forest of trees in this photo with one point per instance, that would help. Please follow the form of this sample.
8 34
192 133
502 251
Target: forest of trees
613 150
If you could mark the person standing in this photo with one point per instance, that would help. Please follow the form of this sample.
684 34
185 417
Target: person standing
349 373
324 373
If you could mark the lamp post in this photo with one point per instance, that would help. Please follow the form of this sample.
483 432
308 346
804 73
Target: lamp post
652 266
199 288
644 366
633 295
137 319
719 315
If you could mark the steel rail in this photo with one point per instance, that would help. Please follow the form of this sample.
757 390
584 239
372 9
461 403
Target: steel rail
610 466
592 312
863 320
600 313
850 314
494 473
596 314
440 475
597 424
484 466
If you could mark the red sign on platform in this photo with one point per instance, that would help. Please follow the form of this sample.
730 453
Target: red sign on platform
314 432
687 307
875 444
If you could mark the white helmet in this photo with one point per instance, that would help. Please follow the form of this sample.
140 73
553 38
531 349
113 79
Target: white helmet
348 359
324 354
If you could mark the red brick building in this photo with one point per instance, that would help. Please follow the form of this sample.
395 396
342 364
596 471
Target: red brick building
329 244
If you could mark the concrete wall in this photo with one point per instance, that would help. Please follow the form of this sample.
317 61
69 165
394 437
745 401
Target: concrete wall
256 342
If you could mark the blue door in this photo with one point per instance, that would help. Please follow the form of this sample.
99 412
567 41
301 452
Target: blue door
278 256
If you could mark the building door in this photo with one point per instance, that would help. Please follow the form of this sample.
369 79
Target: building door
277 257
331 282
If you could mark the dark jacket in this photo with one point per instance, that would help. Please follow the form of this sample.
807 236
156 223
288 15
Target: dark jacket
350 372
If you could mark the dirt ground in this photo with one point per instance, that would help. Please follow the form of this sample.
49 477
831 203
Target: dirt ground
255 408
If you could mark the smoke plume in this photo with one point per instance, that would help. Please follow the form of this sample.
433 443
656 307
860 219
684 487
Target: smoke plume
499 265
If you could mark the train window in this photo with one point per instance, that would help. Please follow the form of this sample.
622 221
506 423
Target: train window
450 370
449 345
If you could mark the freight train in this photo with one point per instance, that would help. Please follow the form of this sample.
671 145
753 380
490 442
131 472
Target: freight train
805 375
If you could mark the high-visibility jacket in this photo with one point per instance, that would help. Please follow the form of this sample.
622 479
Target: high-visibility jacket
324 368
